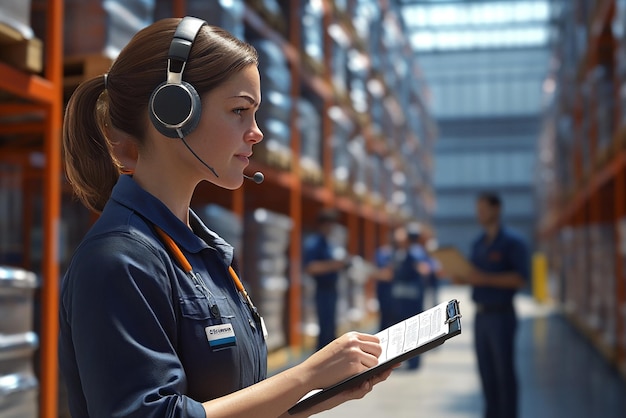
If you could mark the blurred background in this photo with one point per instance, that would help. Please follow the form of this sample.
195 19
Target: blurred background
390 111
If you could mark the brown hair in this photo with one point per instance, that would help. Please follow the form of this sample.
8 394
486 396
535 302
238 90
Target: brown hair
93 119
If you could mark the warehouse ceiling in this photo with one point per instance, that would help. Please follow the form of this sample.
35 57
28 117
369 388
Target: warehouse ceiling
443 25
482 58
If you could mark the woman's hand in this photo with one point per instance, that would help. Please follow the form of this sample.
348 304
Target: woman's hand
346 395
346 356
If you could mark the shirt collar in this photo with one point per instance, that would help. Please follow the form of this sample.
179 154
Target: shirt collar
129 194
496 239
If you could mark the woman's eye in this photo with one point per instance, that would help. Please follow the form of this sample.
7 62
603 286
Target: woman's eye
238 111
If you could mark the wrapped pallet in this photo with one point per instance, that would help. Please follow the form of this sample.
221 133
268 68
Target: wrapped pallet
227 14
310 128
224 223
265 267
274 115
312 40
98 27
18 342
16 15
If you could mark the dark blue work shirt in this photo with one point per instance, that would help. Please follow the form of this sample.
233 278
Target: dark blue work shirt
384 259
506 253
134 327
384 256
317 248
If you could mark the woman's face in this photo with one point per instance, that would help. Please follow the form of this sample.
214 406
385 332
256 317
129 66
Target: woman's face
227 129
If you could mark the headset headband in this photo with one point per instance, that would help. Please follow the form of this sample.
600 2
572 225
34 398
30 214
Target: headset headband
180 47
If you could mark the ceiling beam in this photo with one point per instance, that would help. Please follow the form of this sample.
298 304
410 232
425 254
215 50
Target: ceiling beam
534 23
447 2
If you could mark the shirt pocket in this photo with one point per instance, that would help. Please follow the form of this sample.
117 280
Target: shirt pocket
200 313
213 310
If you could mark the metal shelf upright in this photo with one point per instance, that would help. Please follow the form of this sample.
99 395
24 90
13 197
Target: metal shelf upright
45 93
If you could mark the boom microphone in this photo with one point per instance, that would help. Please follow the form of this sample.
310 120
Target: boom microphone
258 177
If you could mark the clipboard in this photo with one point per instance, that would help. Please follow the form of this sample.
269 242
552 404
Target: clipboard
453 263
451 327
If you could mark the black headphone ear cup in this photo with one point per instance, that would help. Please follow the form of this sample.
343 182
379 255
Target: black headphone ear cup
175 109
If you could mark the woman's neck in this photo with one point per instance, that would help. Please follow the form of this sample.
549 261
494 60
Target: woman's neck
174 193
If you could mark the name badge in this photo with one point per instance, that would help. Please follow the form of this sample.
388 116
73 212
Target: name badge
220 336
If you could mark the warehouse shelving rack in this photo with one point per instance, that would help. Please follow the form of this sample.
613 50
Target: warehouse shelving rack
590 191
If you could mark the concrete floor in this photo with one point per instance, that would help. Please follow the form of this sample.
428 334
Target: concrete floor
560 374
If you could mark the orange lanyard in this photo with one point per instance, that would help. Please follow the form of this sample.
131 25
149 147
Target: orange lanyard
185 265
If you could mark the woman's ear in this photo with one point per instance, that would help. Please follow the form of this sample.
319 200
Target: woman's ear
123 150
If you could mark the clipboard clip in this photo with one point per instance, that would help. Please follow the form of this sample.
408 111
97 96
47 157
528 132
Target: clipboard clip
453 311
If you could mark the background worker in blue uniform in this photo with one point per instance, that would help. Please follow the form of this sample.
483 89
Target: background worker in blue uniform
410 269
502 267
432 270
154 321
324 262
383 277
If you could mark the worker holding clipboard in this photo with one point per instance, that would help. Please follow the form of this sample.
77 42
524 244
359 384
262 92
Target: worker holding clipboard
499 266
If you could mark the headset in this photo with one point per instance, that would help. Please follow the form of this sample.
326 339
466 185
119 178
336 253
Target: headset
175 105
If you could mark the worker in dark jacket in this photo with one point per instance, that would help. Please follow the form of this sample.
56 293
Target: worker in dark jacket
501 268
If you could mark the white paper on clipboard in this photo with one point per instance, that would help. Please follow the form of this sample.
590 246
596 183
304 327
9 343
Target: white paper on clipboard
400 342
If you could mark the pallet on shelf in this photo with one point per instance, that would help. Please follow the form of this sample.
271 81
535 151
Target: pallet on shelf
79 68
19 52
270 12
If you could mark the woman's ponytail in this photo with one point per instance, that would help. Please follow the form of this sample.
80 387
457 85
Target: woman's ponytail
90 167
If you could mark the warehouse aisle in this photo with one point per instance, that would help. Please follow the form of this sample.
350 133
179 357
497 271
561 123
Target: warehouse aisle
560 373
